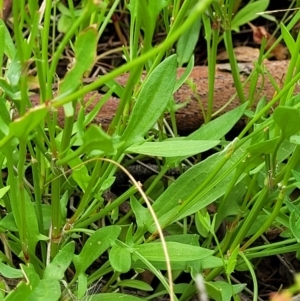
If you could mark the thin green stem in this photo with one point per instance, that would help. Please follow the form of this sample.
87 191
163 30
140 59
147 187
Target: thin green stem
278 205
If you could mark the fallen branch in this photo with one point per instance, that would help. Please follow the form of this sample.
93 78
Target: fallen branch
190 117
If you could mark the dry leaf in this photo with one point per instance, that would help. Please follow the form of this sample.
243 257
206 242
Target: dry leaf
280 52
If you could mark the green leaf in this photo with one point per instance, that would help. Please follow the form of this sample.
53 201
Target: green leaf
184 76
263 147
64 23
85 55
296 175
151 102
10 49
215 129
187 42
113 297
172 205
287 119
56 269
294 223
248 13
173 148
210 262
295 139
46 290
220 126
8 222
132 283
9 90
13 73
82 286
177 251
4 117
156 6
120 258
3 191
188 239
22 126
232 261
96 245
9 272
288 39
24 290
21 292
94 140
223 291
141 213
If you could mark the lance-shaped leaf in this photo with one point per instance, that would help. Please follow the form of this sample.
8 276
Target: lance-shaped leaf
151 102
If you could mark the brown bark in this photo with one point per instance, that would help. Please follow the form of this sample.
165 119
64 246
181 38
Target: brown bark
7 5
190 117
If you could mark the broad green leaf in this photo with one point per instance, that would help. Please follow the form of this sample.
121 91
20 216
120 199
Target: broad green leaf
120 258
9 90
46 290
21 292
248 13
156 6
177 251
10 272
8 222
4 118
10 49
96 245
220 126
3 191
94 140
141 213
173 148
209 262
287 119
32 228
201 223
223 291
64 23
215 129
132 283
57 267
172 205
263 147
13 73
188 239
3 288
82 286
187 42
288 39
22 126
151 102
294 223
296 175
295 139
232 260
85 55
113 297
80 172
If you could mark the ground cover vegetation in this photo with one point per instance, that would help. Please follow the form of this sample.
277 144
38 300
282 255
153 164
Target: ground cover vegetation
62 237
